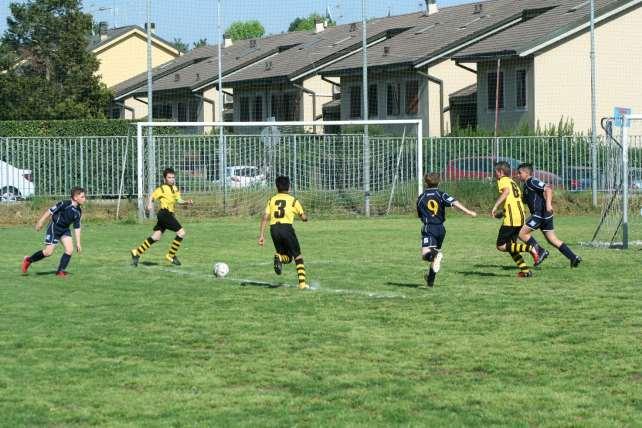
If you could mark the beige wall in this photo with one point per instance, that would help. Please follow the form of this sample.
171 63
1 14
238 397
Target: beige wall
562 74
139 108
510 117
127 58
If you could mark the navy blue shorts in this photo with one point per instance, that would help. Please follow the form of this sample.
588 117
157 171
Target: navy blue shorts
432 235
53 234
545 224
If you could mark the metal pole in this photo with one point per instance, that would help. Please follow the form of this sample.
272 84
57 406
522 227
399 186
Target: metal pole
625 182
221 137
497 80
593 107
151 149
366 143
139 167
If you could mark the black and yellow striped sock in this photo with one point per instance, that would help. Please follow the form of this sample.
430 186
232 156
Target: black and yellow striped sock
284 258
176 244
143 247
519 248
300 271
519 261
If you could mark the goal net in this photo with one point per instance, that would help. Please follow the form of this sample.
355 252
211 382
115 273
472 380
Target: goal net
619 183
335 167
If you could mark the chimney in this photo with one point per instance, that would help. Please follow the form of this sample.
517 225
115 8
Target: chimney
386 50
353 27
252 43
227 40
102 30
318 26
477 8
153 27
431 7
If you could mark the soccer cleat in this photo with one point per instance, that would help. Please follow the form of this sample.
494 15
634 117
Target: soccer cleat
428 283
303 286
576 261
25 264
62 274
173 260
526 274
436 263
541 255
135 258
278 266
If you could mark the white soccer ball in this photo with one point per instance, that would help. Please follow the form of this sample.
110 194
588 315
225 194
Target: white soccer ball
221 269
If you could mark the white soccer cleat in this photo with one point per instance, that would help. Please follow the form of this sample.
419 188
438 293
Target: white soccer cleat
436 263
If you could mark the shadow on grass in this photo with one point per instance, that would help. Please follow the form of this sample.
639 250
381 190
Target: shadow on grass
49 272
503 267
478 273
262 284
405 284
145 263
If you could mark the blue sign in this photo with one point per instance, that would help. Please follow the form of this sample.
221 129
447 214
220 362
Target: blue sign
618 116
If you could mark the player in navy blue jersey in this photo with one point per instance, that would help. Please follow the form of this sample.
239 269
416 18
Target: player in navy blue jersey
61 217
539 198
431 209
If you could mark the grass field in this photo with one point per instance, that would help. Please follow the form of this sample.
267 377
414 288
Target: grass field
158 345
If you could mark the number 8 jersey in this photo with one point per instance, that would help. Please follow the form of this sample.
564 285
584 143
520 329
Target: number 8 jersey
513 205
431 206
282 208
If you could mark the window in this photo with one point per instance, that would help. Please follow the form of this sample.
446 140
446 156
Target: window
286 106
276 107
355 102
412 97
258 109
393 99
115 113
162 111
245 109
373 101
492 89
520 79
182 112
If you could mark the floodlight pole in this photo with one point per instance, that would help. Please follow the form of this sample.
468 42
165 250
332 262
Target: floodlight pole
364 90
593 107
151 149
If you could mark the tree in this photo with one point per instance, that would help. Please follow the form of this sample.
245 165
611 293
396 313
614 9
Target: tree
49 74
199 44
180 45
309 23
243 30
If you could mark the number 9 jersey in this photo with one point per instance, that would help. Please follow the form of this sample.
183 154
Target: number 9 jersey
282 208
431 206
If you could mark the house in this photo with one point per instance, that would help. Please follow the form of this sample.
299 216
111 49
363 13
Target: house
411 75
545 70
122 52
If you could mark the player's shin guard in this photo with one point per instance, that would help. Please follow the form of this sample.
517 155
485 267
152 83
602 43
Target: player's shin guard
515 247
519 261
173 248
64 261
568 253
284 258
430 278
38 255
300 272
533 242
143 247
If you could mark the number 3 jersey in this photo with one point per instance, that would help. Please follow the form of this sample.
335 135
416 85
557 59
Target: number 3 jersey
431 206
282 208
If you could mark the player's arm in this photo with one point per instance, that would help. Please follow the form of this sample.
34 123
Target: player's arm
548 197
299 210
181 201
44 218
264 221
461 207
77 238
500 200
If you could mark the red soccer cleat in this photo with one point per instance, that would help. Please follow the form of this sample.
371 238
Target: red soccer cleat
62 274
25 264
527 274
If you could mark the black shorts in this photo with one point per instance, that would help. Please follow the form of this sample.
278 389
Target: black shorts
53 234
545 224
432 236
166 220
508 234
285 240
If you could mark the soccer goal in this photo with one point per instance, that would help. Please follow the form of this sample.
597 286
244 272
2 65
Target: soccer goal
619 183
363 167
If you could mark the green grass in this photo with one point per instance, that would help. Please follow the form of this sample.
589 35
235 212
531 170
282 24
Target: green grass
154 346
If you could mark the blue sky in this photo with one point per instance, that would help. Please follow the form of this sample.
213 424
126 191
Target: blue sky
191 20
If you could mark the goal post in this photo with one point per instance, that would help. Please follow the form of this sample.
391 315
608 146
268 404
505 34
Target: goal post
335 165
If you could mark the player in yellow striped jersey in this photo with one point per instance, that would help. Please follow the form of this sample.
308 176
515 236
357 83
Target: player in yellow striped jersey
168 196
280 212
510 200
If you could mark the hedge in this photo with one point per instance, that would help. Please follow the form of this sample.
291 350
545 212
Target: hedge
73 128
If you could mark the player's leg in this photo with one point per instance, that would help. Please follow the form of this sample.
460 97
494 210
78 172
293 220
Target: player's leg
508 236
294 251
50 245
531 245
280 248
552 238
172 224
430 243
136 253
68 245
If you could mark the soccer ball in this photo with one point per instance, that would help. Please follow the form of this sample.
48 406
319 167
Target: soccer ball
221 269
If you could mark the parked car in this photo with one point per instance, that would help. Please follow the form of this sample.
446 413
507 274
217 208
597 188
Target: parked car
635 179
242 176
15 183
578 178
482 167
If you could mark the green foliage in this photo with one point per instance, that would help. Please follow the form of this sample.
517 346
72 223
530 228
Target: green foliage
243 30
309 23
180 45
73 128
564 128
199 43
50 74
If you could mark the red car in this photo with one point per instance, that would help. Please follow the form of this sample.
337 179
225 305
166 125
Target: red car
482 168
